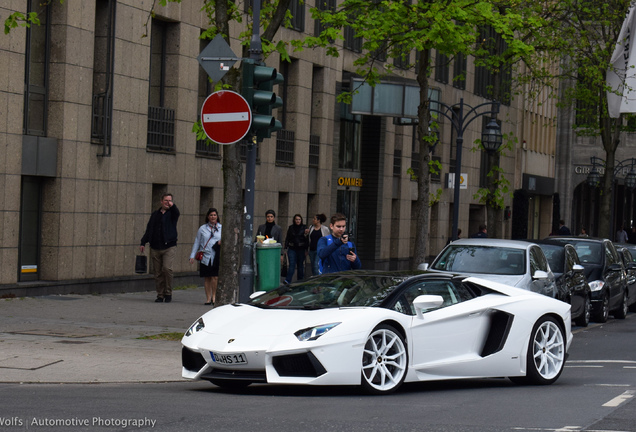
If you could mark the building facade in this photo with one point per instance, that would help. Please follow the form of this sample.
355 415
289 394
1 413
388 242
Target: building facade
98 104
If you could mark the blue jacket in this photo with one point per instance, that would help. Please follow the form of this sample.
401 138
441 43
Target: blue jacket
333 255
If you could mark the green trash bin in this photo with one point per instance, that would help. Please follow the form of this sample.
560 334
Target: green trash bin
267 266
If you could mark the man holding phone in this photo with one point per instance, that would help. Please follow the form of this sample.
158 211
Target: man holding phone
335 251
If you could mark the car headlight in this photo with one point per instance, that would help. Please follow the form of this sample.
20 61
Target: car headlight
596 285
197 326
313 333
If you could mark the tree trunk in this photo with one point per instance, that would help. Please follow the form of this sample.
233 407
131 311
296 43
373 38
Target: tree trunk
422 205
610 136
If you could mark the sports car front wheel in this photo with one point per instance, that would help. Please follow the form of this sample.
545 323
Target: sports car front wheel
384 360
546 352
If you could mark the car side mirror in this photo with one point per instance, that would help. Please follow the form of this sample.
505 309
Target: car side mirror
423 266
540 274
615 267
425 302
578 268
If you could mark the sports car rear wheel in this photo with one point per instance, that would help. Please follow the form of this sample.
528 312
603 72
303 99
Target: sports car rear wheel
546 352
384 360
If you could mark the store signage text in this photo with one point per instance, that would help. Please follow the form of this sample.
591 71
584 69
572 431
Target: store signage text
349 181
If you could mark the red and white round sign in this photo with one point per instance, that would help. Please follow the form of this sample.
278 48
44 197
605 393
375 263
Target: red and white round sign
226 117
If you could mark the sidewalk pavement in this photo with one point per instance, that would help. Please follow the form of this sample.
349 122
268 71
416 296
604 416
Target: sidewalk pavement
94 338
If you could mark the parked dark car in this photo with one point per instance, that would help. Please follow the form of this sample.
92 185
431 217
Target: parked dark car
629 262
570 278
605 274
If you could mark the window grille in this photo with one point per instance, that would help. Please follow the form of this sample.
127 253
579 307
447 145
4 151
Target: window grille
161 129
285 147
314 151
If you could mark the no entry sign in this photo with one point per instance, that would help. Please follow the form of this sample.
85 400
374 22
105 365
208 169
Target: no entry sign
226 117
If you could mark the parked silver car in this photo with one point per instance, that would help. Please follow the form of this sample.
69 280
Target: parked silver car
518 263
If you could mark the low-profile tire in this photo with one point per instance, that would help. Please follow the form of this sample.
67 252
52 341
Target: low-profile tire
584 319
621 312
230 384
602 315
546 352
384 360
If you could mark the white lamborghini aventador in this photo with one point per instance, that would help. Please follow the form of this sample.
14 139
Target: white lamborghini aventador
378 330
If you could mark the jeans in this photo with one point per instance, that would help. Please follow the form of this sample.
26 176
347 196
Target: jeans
296 258
315 262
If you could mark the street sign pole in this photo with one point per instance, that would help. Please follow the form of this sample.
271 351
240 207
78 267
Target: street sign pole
246 277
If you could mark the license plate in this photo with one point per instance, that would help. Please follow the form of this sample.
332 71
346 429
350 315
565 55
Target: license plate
229 359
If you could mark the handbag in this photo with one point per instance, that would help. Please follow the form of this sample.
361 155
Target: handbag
141 264
283 268
199 255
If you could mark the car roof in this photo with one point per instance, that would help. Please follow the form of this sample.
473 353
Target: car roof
492 242
577 239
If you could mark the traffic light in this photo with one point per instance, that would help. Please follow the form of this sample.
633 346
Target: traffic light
258 85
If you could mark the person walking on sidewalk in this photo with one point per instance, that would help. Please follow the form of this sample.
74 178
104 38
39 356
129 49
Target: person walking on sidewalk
208 241
335 251
296 244
161 233
315 232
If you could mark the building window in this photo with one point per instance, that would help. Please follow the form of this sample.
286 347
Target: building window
459 71
285 144
403 58
441 68
397 163
489 84
101 124
314 151
351 41
297 9
350 138
586 110
37 70
161 119
205 147
323 5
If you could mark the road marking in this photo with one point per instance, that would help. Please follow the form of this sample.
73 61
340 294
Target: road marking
603 361
584 366
627 395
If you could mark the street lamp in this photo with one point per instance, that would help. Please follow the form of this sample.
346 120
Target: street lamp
460 121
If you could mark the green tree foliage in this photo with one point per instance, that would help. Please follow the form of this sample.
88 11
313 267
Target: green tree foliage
392 27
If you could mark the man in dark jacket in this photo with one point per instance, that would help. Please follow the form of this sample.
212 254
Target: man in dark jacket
161 233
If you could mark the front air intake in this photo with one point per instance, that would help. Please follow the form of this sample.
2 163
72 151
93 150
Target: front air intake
298 365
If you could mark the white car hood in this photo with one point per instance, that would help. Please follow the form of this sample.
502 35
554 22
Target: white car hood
257 322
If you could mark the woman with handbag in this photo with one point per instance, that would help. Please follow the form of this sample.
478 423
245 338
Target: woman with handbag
206 250
296 244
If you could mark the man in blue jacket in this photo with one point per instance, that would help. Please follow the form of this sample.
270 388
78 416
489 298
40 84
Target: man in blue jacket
335 251
161 233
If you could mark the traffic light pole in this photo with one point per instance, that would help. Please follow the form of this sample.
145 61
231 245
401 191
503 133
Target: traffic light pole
246 277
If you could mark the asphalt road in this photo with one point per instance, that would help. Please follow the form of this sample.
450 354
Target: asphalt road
595 393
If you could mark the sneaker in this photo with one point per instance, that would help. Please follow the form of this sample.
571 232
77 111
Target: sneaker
167 298
159 300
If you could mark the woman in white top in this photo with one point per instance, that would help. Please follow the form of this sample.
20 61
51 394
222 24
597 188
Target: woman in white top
208 240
